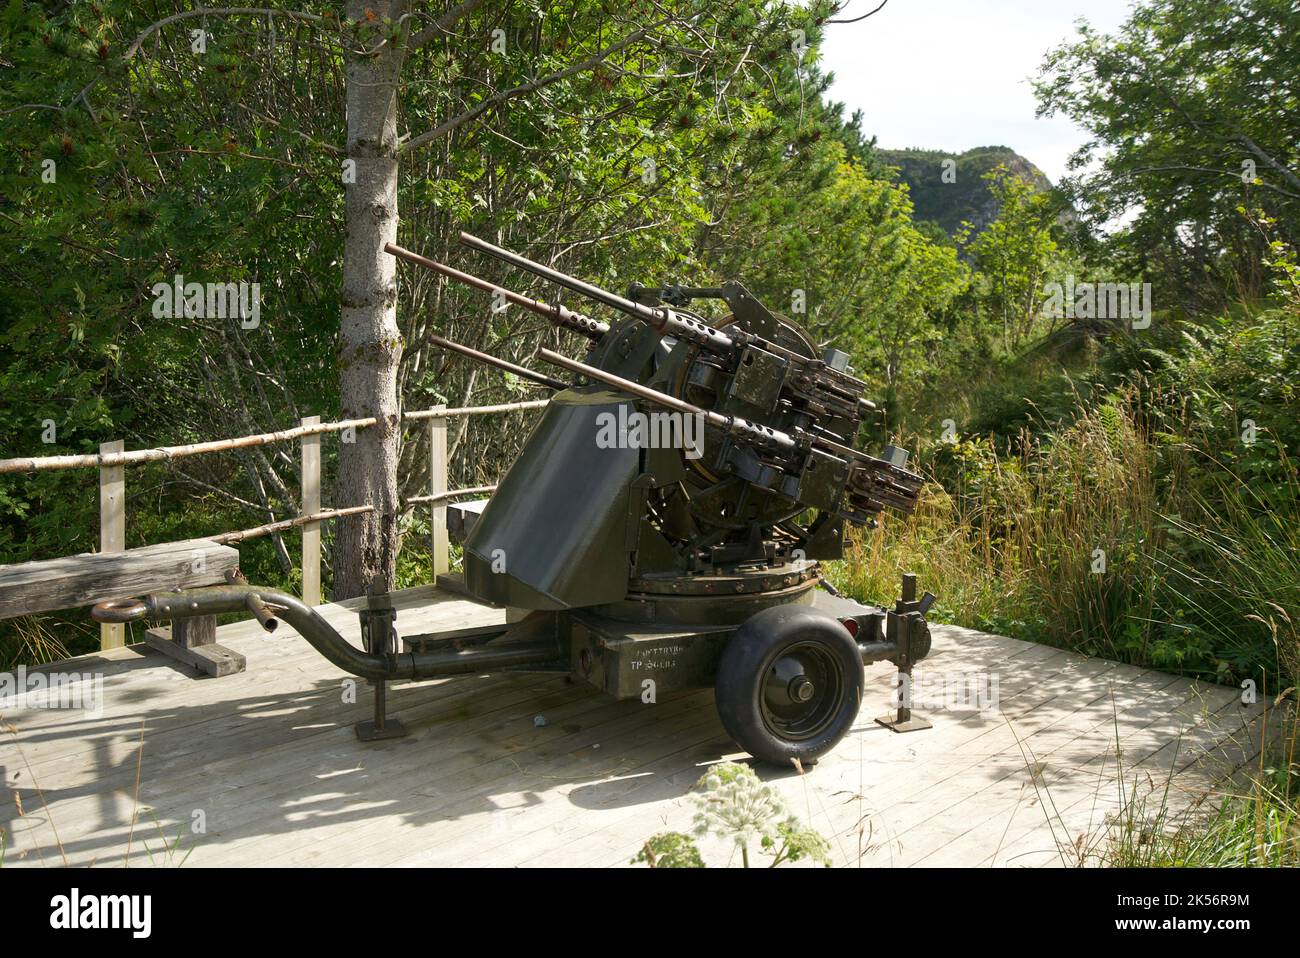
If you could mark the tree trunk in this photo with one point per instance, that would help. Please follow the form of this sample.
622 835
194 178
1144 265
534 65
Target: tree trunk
370 346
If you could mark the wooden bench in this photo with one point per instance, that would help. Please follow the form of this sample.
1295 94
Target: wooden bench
82 580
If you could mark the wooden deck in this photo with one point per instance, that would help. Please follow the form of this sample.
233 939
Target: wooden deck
267 763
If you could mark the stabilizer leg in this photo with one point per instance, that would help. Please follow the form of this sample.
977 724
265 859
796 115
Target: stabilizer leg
903 720
380 637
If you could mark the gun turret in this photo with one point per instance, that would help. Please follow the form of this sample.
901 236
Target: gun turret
865 484
754 476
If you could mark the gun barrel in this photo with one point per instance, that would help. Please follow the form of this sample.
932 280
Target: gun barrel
603 296
668 322
593 329
522 371
754 433
665 321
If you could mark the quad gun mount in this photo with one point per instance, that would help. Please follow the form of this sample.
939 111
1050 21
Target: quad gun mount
661 528
761 495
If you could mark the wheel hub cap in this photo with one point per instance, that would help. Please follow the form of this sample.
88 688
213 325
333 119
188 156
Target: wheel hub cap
803 693
801 689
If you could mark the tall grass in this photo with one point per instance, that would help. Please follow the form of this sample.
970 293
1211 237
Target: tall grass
1250 825
1015 543
1234 580
29 641
1096 539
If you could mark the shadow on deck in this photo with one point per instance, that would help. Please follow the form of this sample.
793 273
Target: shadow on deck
263 768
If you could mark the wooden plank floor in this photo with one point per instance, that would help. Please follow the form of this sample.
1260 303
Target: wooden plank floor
262 768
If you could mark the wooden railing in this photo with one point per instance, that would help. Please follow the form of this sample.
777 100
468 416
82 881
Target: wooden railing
112 460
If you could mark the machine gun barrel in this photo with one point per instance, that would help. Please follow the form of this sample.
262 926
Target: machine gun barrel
743 429
593 329
811 377
665 321
670 322
602 296
521 371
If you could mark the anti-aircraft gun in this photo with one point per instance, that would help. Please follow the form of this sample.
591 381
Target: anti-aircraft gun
663 526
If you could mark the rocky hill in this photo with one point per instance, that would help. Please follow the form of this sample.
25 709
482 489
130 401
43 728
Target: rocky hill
962 194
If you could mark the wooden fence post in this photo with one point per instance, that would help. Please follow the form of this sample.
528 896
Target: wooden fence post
438 485
311 506
112 527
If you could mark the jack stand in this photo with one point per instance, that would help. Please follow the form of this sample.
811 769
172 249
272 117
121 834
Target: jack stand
380 637
907 612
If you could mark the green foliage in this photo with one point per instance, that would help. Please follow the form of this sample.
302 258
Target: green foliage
1253 823
31 641
160 168
1231 578
1197 526
864 275
1191 115
669 850
1012 255
793 843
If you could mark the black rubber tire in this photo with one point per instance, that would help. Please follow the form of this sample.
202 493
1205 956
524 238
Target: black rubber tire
751 692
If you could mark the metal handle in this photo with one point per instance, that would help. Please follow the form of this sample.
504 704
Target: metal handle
117 611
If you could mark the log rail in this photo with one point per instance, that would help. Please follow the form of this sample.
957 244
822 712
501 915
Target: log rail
112 459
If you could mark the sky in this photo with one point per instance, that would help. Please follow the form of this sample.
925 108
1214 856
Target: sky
953 74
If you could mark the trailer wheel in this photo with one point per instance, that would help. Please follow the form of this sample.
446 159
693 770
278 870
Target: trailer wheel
789 684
